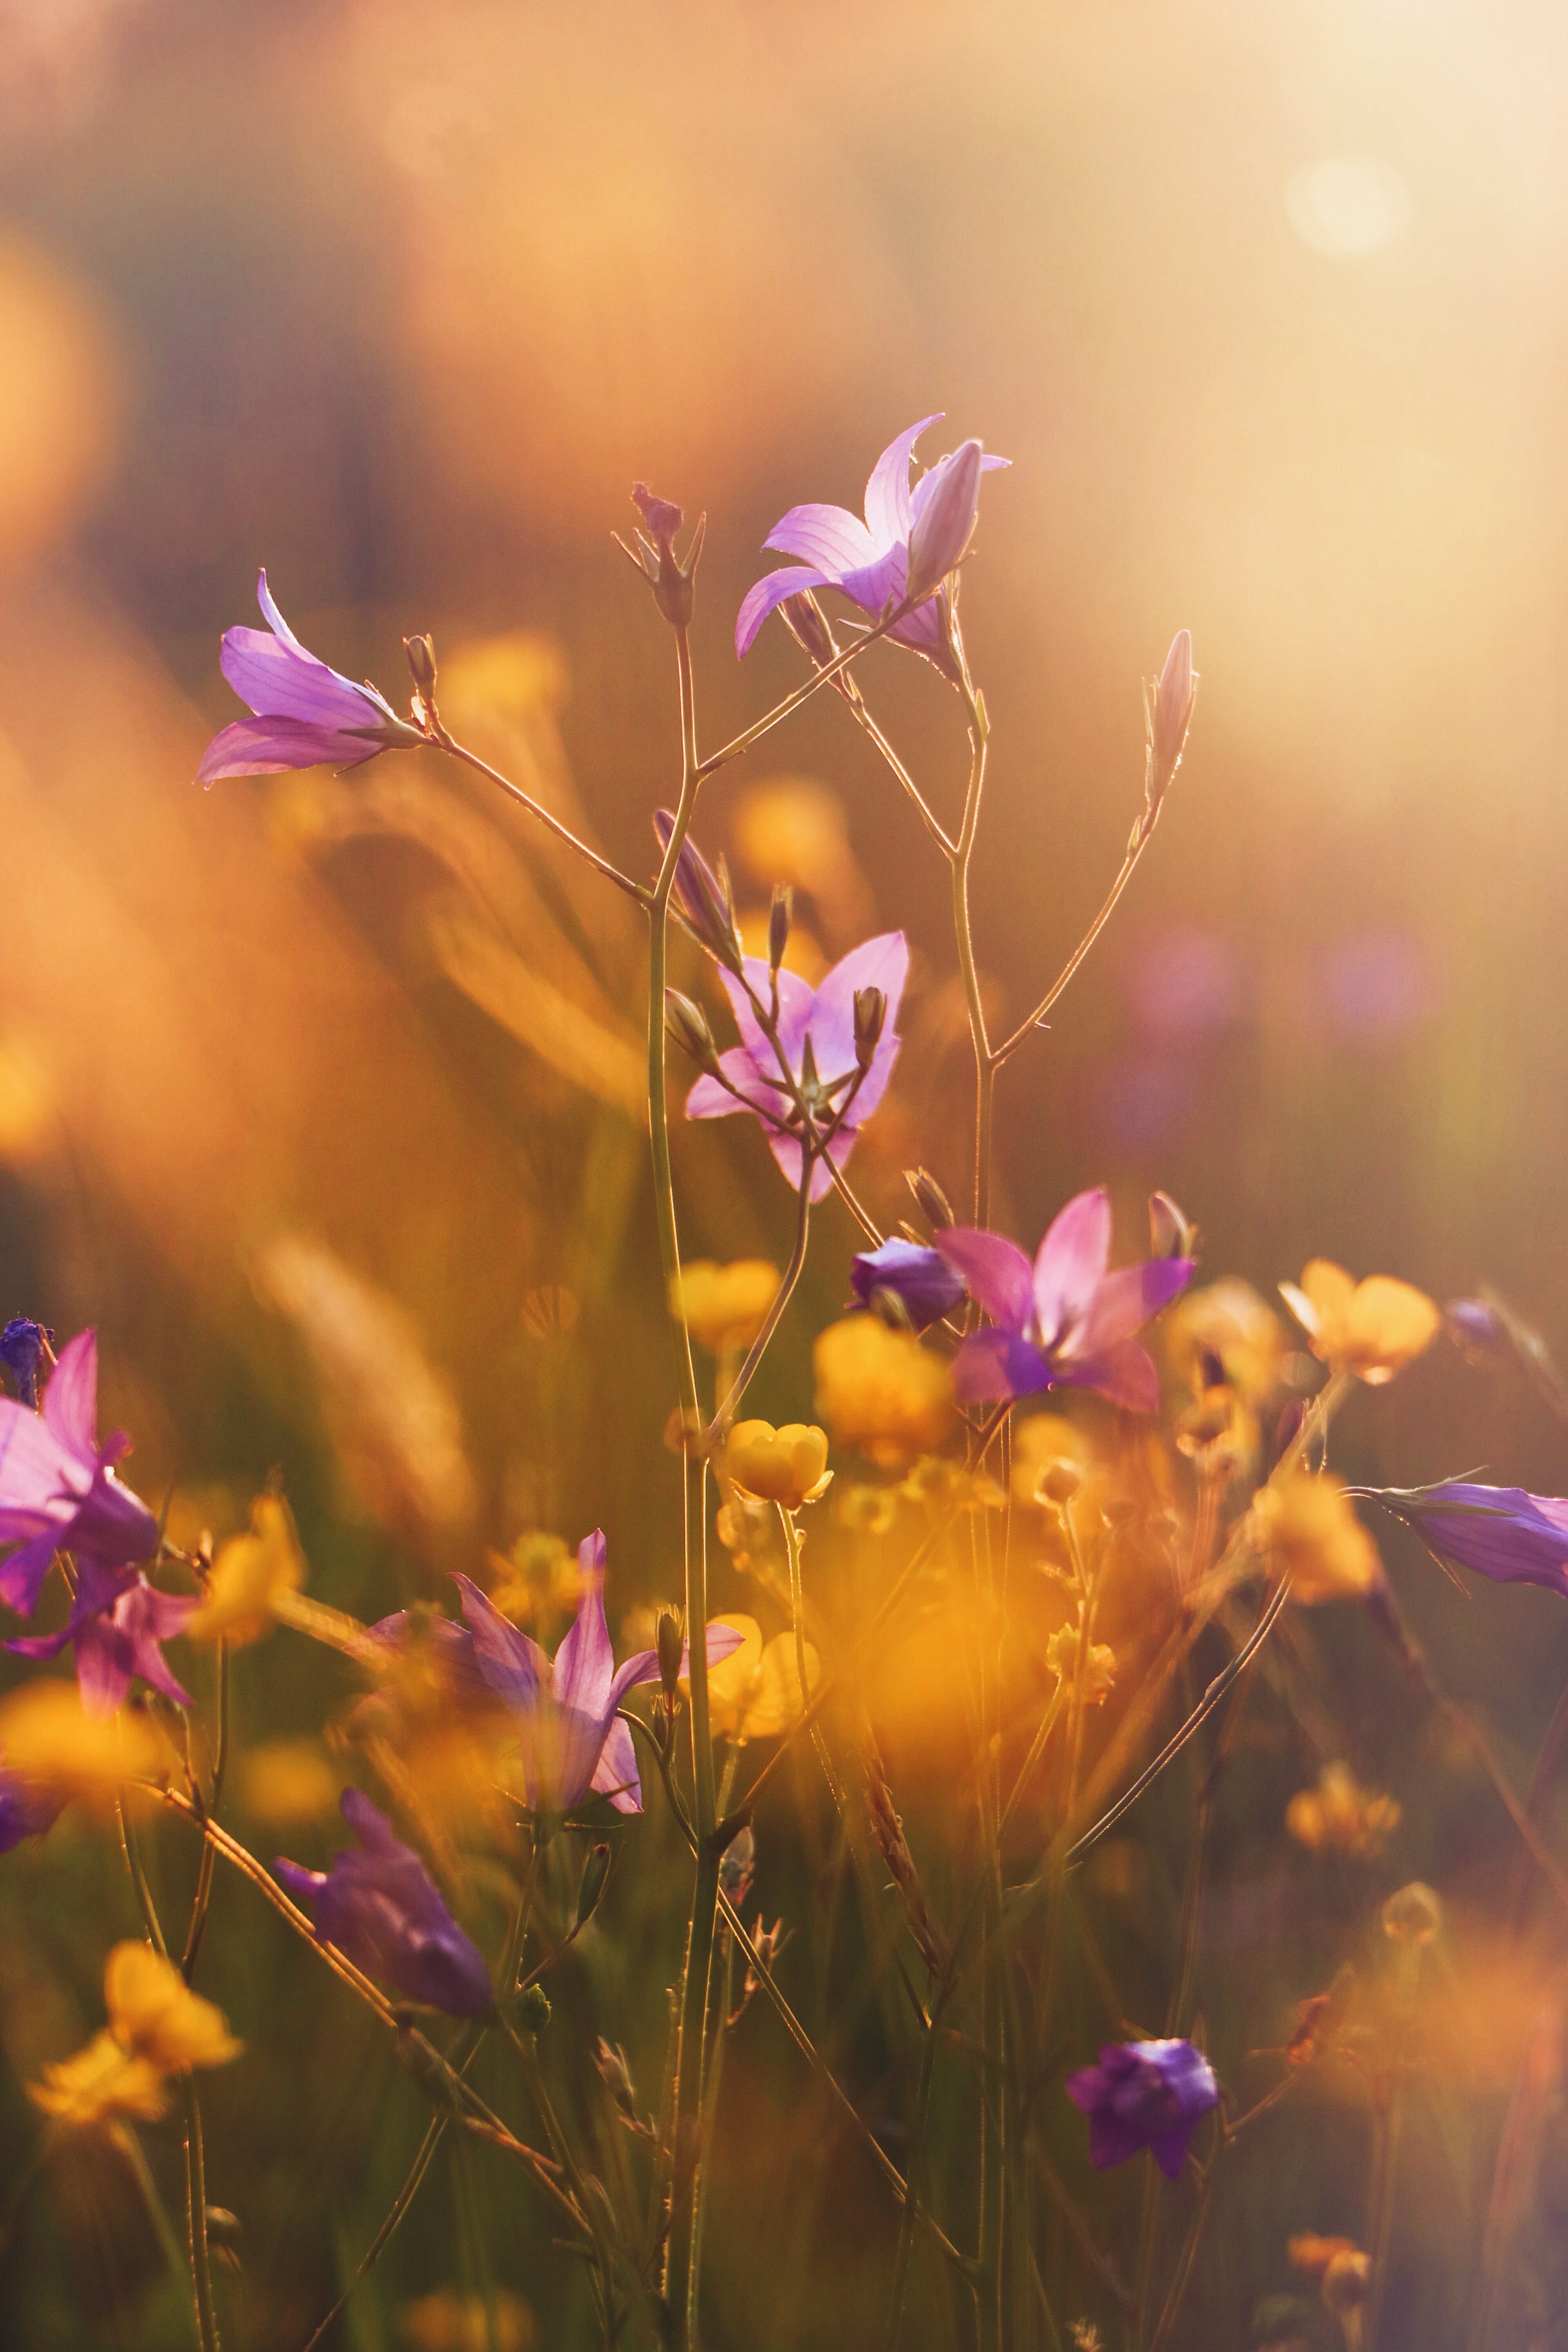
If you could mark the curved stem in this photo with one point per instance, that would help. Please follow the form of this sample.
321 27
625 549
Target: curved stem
1135 849
781 710
446 742
893 2325
719 1426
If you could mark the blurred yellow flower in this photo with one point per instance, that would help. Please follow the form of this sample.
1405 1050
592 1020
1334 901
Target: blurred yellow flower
1226 1320
724 1306
46 1737
1372 1328
100 2083
249 1575
27 1098
539 1578
1309 1526
791 830
785 1466
284 1783
754 1693
804 952
153 2014
506 677
1040 1442
446 2322
1099 1668
880 1393
1340 1814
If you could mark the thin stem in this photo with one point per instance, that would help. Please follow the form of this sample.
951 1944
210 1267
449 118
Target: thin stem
446 742
870 727
131 2149
208 1861
1135 849
719 1426
781 710
434 2132
893 2325
197 2218
1184 2272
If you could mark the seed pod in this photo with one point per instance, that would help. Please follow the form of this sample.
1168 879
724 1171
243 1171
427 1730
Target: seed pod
779 915
669 1642
687 1024
946 522
533 2010
933 1202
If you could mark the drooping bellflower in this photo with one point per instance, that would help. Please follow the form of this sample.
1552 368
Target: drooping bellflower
307 716
1142 2095
817 1031
1500 1531
381 1907
869 561
923 1284
117 1627
1064 1322
59 1491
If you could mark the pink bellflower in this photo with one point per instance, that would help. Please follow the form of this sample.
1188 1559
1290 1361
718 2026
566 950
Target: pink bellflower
870 561
564 1708
1142 2095
59 1491
381 1907
307 716
817 1034
1063 1322
117 1625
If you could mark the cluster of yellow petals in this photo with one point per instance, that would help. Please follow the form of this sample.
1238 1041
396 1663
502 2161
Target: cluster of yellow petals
157 2026
880 1393
1372 1328
1226 1320
1340 1816
754 1693
724 1307
1309 1526
46 1737
787 1465
1099 1666
251 1575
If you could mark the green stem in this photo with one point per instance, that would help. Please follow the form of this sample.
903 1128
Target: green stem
197 2218
131 2149
725 1414
893 2325
208 1861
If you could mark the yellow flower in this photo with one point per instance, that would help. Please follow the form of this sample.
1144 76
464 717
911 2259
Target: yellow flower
446 2322
1098 1667
153 2014
754 1693
100 2083
46 1737
251 1575
286 1782
1372 1328
880 1393
725 1307
1339 1813
1314 1536
785 1466
791 830
1038 1445
1227 1319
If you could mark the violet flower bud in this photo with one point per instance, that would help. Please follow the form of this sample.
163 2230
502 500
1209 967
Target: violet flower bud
1475 1327
1168 708
919 1282
804 619
932 1201
1170 1234
669 1643
870 1012
703 895
421 656
670 581
779 915
22 1346
687 1024
946 522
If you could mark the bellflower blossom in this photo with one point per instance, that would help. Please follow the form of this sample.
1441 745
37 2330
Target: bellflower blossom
565 1709
920 1279
117 1628
381 1907
824 1020
58 1487
307 716
22 1343
1063 1322
1142 2095
869 561
1500 1531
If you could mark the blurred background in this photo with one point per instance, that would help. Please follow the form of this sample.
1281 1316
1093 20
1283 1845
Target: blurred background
320 1096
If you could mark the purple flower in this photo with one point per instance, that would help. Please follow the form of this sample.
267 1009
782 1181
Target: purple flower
1500 1531
869 561
22 1346
380 1909
920 1279
58 1487
306 714
117 1626
1143 2094
822 1020
1063 1322
25 1808
565 1710
703 897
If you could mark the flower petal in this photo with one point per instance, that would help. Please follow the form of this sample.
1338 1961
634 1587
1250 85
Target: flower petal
772 589
70 1399
516 1668
1069 1264
709 1099
882 962
993 1271
887 511
584 1665
616 1774
796 999
1125 1374
267 747
826 535
1126 1299
993 1364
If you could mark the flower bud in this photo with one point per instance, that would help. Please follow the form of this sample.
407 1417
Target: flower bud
1170 1233
1412 1916
687 1024
421 656
933 1202
590 1887
803 618
906 1284
779 915
655 555
703 896
22 1345
870 1012
946 522
669 1642
616 2077
533 2010
1168 708
737 1865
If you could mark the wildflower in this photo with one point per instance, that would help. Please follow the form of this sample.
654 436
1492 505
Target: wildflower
1144 2095
654 554
380 1909
58 1487
1064 1322
26 1809
251 1573
1099 1666
1227 1322
1475 1327
153 2014
1340 1814
816 1039
100 2085
1500 1531
565 1709
307 715
22 1345
118 1630
754 1693
785 1466
52 1742
285 1782
869 561
880 1393
919 1284
1372 1328
724 1307
1309 1529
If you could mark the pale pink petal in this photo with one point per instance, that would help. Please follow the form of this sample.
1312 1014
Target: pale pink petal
993 1364
1124 1373
825 535
70 1399
772 589
993 1271
1126 1299
585 1661
709 1099
795 1001
888 512
616 1774
882 962
1070 1262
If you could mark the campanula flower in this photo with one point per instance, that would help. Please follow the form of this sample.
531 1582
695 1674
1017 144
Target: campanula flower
380 1906
1141 2095
565 1709
117 1627
817 1035
1500 1531
1066 1321
22 1346
26 1808
920 1280
58 1487
307 716
869 561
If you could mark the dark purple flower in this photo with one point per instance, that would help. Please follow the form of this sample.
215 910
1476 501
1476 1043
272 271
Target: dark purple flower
25 1808
565 1711
117 1626
920 1279
1500 1531
380 1906
661 517
58 1487
824 1020
869 561
307 716
1144 2095
22 1346
1476 1328
1063 1322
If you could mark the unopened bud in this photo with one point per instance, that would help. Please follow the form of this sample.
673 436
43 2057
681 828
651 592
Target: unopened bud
1168 709
224 2228
669 1642
870 1012
421 656
590 1887
687 1024
654 554
702 896
933 1202
779 915
737 1864
533 2010
616 2075
1170 1233
803 618
1060 1481
946 522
